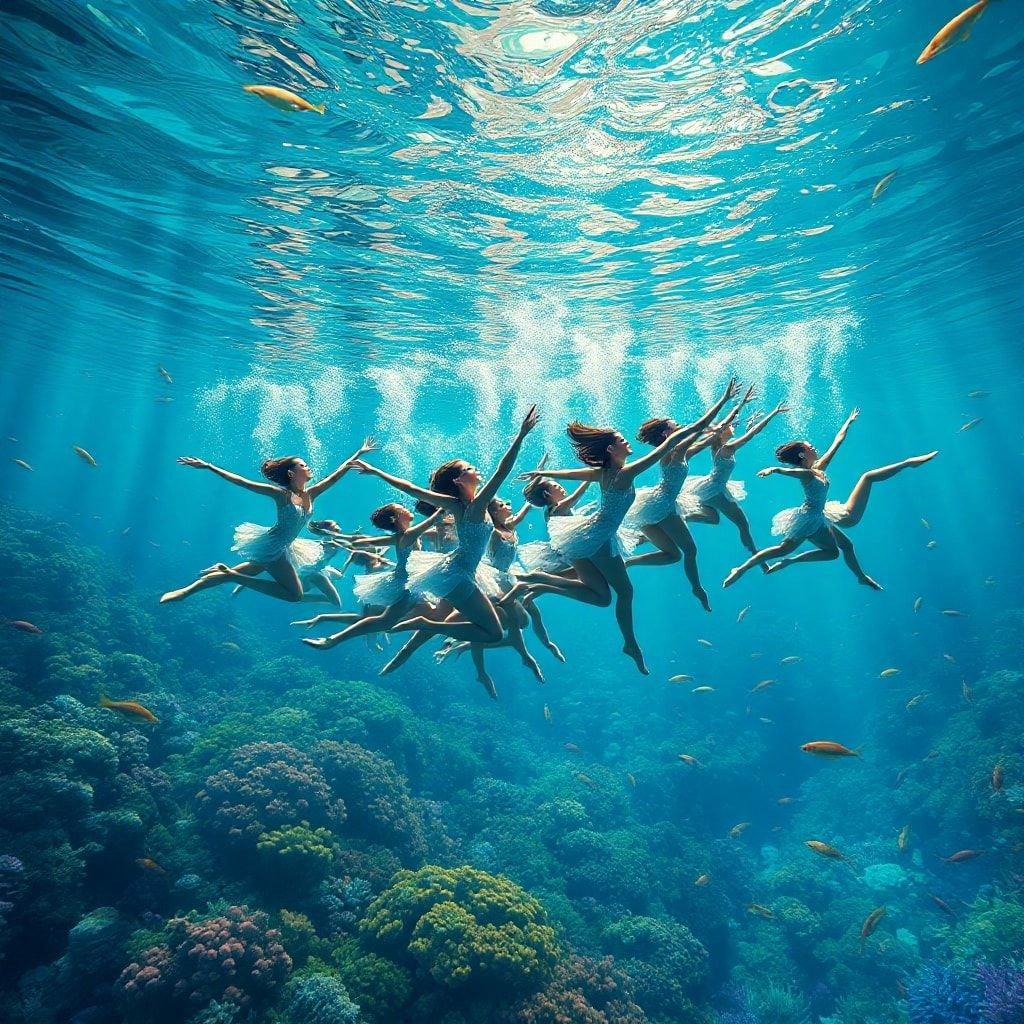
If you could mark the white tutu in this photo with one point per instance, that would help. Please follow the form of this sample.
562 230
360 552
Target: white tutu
436 573
264 544
582 536
702 488
804 521
540 556
381 589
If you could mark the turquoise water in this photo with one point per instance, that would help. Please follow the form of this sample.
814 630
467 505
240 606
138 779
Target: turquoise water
607 210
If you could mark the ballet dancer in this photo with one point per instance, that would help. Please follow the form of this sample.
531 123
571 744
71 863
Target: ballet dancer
270 549
818 520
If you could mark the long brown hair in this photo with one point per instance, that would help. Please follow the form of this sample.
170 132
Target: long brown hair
791 451
386 517
277 470
654 431
443 478
591 443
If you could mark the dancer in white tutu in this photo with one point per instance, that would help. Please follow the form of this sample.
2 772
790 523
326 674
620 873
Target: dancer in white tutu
270 549
717 494
550 495
659 511
384 595
594 544
818 520
441 536
461 581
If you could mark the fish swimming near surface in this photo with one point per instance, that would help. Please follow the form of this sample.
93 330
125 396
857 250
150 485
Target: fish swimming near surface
24 626
128 707
163 373
23 464
950 659
230 645
704 689
961 855
971 424
883 184
682 677
701 880
957 30
791 659
761 911
952 613
886 673
942 905
163 399
915 700
932 545
870 924
997 778
785 801
84 455
705 643
829 748
283 99
150 865
977 394
743 613
926 524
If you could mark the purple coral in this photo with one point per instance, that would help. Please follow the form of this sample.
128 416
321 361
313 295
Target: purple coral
1002 986
232 958
941 994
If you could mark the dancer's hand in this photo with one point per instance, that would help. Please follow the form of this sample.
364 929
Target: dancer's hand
363 467
750 395
529 421
781 408
768 471
369 445
189 460
854 413
530 474
732 389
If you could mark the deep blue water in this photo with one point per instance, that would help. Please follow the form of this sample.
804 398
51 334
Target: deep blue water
606 209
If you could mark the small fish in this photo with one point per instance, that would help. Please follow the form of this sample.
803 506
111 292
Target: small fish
23 464
84 455
918 601
942 905
126 531
690 759
901 989
761 911
915 700
785 801
150 865
13 440
971 424
950 659
902 774
737 830
968 693
870 924
230 645
572 748
763 685
903 838
547 714
977 394
682 677
767 721
631 779
26 627
283 99
701 880
828 748
791 659
997 778
163 373
705 643
743 613
925 523
704 689
960 856
932 545
931 755
824 850
954 31
128 707
163 399
883 184
952 613
586 780
886 673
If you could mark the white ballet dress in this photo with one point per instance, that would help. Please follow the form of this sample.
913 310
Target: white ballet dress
654 504
266 544
441 574
717 482
312 558
813 515
385 587
501 554
584 535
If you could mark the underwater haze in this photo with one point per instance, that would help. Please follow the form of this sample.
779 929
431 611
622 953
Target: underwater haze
610 210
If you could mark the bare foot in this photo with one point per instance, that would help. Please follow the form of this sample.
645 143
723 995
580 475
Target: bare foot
555 650
174 595
732 577
531 663
410 625
637 655
307 622
317 641
488 684
867 581
920 460
702 595
774 567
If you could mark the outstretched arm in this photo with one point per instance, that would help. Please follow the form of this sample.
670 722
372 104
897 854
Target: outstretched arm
358 543
435 498
369 444
508 460
697 425
757 427
570 500
800 474
838 440
588 473
515 519
681 436
414 533
259 486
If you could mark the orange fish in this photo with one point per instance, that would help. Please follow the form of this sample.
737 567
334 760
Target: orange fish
997 778
128 707
955 31
960 856
761 911
283 99
572 748
150 865
870 924
823 849
828 748
701 880
26 627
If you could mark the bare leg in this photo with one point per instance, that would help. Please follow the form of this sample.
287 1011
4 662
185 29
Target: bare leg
481 671
285 585
541 630
760 557
614 571
590 585
706 514
824 550
857 502
516 641
328 591
850 557
211 578
366 625
667 552
732 511
680 534
417 640
481 621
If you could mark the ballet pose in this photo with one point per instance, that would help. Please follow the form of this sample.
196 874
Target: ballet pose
717 493
384 595
658 512
462 584
550 495
270 549
594 544
818 520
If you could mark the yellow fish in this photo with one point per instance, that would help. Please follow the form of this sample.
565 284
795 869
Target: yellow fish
681 678
23 464
128 707
743 613
84 455
955 31
887 672
882 185
283 99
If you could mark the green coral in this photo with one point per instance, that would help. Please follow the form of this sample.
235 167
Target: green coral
993 929
298 856
380 986
468 929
